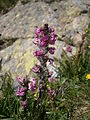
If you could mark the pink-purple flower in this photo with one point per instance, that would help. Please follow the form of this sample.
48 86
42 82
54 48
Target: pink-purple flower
40 85
50 73
44 38
38 53
51 60
24 104
50 79
51 50
32 84
51 29
37 31
20 80
21 91
51 92
43 44
44 41
52 41
69 48
36 42
36 68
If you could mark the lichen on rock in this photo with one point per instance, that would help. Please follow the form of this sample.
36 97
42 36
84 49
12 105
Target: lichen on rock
29 61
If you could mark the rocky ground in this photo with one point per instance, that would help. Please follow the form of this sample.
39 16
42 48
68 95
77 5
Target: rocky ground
70 19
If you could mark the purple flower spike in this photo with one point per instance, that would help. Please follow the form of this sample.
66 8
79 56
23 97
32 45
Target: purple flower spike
22 91
69 48
44 36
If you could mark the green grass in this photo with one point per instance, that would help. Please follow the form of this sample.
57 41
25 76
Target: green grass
74 94
9 104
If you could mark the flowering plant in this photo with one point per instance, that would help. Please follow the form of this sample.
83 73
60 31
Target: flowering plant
22 90
51 95
44 37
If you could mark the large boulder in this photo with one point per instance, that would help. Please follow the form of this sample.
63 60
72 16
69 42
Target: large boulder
66 16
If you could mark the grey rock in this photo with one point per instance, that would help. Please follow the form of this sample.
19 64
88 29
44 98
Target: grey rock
67 16
21 21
